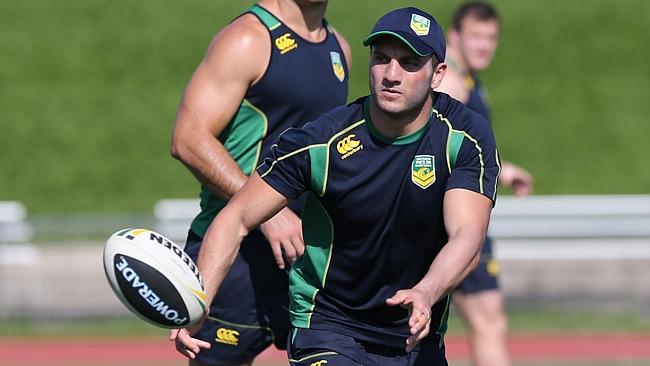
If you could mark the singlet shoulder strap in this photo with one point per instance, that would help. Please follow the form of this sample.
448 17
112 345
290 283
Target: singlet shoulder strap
270 21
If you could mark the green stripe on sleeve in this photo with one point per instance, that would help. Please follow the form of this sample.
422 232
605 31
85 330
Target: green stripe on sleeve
318 157
455 141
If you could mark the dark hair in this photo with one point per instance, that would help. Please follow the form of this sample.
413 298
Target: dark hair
434 60
477 9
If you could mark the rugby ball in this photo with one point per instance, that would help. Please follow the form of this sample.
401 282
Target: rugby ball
154 278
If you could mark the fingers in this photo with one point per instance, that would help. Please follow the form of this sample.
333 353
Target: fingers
400 298
173 334
284 233
290 251
418 320
186 345
413 340
277 253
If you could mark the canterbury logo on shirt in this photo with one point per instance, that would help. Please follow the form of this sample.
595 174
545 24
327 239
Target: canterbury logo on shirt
227 336
348 146
318 363
285 43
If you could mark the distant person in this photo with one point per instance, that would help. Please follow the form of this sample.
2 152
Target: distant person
276 66
471 43
400 187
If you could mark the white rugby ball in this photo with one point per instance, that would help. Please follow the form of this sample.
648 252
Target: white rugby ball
154 278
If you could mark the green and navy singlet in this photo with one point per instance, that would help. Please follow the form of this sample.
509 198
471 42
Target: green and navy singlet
303 80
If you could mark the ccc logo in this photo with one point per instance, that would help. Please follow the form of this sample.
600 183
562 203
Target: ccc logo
319 363
285 43
347 144
227 336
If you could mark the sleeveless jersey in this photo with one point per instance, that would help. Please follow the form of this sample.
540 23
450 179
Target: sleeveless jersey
303 80
373 220
477 96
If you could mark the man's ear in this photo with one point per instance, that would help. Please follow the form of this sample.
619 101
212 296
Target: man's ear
438 74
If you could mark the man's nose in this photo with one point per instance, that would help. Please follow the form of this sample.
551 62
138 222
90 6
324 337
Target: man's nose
392 71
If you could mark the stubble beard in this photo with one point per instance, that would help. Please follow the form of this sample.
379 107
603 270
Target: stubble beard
409 111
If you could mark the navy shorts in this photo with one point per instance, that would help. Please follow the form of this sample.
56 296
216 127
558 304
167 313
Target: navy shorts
310 347
250 311
485 276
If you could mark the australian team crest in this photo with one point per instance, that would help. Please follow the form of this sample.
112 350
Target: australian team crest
420 24
423 170
337 65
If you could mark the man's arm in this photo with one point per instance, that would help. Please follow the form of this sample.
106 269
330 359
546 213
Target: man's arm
253 204
518 179
466 214
211 99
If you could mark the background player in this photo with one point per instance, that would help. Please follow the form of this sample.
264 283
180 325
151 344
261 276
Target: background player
400 185
277 65
472 41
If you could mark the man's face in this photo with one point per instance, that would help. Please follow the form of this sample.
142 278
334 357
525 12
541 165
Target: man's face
400 80
478 40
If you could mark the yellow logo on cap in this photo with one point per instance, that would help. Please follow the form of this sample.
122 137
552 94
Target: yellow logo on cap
420 24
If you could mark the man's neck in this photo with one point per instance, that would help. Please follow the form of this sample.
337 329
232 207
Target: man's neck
306 20
456 61
396 125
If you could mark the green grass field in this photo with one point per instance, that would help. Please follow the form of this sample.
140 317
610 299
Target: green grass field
90 89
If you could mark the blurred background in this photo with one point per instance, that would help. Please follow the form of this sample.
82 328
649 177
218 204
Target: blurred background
89 91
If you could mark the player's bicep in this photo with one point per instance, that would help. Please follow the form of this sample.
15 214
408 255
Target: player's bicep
220 82
466 214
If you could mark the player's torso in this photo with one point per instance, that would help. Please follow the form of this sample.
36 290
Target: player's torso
303 79
376 217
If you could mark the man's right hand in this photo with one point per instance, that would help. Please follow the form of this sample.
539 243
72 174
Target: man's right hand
187 345
284 233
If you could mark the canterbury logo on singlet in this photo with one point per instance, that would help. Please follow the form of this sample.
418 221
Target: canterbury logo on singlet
347 146
285 43
318 363
227 336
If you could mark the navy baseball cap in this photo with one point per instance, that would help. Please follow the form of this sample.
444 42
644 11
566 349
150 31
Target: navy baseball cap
416 28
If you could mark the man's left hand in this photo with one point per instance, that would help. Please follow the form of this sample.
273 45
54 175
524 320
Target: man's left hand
419 306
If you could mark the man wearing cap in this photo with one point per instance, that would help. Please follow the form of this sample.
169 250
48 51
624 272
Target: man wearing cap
400 187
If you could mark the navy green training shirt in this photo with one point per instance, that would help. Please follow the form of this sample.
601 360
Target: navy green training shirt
373 221
302 80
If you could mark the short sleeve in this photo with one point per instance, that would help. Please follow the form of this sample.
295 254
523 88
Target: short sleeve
285 166
477 164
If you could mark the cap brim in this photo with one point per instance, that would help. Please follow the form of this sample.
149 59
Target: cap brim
402 37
